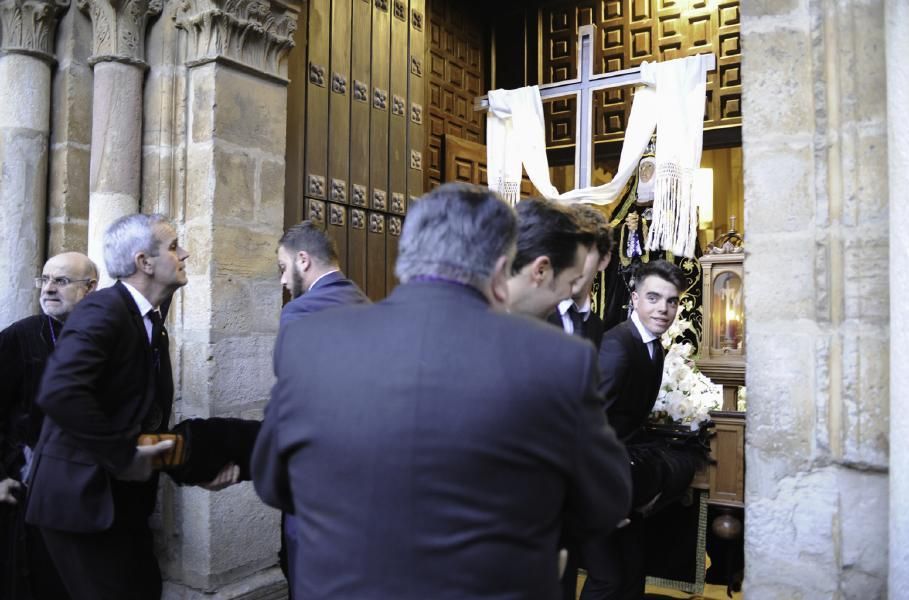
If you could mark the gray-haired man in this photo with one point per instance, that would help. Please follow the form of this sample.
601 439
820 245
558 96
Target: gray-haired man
449 453
109 379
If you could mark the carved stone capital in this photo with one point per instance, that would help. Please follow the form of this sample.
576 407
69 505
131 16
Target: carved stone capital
257 34
118 28
28 26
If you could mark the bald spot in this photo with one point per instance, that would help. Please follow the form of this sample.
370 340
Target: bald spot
74 265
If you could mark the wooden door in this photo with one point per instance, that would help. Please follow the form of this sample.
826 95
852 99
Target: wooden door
465 161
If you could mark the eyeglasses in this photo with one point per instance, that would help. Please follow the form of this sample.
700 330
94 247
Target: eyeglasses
59 282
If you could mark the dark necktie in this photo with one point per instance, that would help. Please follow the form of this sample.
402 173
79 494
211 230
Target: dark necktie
656 351
157 326
576 320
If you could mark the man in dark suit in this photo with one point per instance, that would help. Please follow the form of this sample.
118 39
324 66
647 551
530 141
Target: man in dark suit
26 571
308 263
91 488
631 368
574 315
435 446
550 255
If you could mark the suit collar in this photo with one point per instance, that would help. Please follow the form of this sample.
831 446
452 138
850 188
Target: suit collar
430 291
326 279
141 301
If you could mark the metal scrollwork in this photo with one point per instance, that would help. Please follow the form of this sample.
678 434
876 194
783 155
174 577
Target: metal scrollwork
360 91
317 212
316 186
380 99
359 195
317 74
338 190
397 203
416 113
336 215
378 199
397 105
338 83
376 223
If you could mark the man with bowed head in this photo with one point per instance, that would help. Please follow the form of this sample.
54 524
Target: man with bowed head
444 462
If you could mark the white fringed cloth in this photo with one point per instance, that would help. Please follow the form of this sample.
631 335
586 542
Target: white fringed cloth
671 100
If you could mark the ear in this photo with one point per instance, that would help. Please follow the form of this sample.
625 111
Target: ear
540 266
634 299
92 286
144 263
498 287
604 262
303 259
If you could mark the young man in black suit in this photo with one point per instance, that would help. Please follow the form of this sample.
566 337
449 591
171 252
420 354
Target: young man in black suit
109 379
442 462
574 315
631 370
25 569
549 260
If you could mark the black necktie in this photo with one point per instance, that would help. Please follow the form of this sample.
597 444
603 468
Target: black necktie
157 326
655 350
576 320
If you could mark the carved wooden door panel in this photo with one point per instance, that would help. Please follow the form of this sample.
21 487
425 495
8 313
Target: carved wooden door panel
466 161
355 129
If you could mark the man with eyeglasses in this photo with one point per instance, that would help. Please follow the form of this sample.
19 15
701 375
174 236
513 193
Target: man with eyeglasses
27 571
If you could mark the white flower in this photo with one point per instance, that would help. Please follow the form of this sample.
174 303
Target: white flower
686 394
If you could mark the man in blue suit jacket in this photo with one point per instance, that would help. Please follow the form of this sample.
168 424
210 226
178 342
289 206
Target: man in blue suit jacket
308 263
436 447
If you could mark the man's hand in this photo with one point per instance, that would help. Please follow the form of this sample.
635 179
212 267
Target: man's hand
140 469
229 475
7 486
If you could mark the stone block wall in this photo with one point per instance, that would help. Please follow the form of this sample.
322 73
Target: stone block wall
816 207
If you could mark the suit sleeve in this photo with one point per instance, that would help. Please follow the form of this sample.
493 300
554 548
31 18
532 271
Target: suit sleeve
601 495
269 465
614 364
70 387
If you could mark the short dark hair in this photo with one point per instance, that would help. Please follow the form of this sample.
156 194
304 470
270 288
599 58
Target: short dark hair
547 229
662 269
594 221
457 231
308 238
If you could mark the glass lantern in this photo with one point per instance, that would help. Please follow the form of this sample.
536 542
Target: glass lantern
723 335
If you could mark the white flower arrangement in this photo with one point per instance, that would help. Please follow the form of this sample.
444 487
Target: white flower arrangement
686 395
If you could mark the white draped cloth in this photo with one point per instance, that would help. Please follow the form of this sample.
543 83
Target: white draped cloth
671 100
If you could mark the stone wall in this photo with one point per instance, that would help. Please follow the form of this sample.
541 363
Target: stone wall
816 209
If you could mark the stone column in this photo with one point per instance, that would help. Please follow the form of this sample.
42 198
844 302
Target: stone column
897 48
26 56
118 31
236 101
